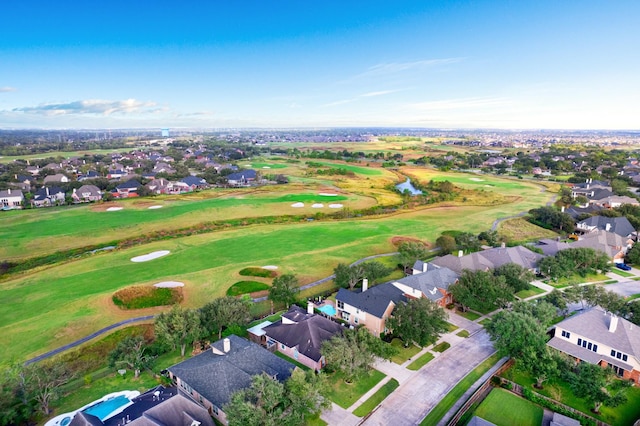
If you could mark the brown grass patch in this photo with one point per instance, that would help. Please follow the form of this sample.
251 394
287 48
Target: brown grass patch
397 240
101 207
139 297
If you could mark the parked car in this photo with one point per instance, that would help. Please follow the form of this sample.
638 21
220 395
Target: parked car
623 266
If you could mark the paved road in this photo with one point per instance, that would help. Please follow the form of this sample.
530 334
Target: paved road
625 288
413 400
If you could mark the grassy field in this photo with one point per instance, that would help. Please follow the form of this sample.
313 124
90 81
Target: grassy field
376 398
520 230
346 394
420 362
503 408
403 353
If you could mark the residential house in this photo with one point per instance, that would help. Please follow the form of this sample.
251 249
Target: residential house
213 376
127 189
242 178
433 284
86 194
490 259
57 178
551 247
300 335
11 199
613 245
617 225
115 173
161 167
599 337
159 406
614 201
159 186
91 174
369 307
195 182
48 196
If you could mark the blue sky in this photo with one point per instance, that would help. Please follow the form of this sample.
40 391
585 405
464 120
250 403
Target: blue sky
277 63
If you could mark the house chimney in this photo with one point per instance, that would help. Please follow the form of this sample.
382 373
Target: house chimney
425 266
607 227
562 209
613 323
503 245
309 308
226 345
47 189
460 253
365 285
588 186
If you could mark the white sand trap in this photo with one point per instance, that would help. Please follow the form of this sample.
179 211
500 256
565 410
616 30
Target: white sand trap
317 206
154 207
327 194
476 179
169 284
270 267
266 167
150 256
335 206
297 205
114 209
490 186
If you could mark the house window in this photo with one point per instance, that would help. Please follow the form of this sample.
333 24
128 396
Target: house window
567 335
295 353
355 319
215 410
618 355
584 343
270 342
282 346
589 347
613 353
340 304
345 316
579 340
624 357
595 347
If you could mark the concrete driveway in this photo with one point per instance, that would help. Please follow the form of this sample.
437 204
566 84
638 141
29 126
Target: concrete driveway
413 400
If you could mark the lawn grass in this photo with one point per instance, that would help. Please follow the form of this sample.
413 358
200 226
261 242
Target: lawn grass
346 394
463 333
376 398
420 362
441 347
244 287
621 272
503 408
633 297
253 271
610 282
577 279
470 315
451 328
314 421
456 393
403 353
484 322
521 230
530 291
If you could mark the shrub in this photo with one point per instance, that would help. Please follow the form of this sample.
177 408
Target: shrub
138 297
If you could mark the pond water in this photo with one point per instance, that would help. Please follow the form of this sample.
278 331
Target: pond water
408 186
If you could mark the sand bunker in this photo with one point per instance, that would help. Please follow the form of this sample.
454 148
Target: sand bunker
317 206
266 167
270 267
114 209
154 207
297 205
169 284
327 194
335 206
150 256
476 179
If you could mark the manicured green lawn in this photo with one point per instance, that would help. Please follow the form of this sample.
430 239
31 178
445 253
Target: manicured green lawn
531 291
470 315
463 333
244 287
376 398
577 279
420 362
367 171
314 421
441 347
346 394
484 321
621 272
451 327
403 353
456 393
503 408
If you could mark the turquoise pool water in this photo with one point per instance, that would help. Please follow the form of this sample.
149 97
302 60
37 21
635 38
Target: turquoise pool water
104 408
328 309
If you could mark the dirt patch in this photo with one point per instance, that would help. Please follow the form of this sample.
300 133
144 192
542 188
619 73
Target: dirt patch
102 207
396 241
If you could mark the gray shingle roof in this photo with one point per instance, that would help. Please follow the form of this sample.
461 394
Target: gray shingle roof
617 225
490 259
429 282
604 241
594 324
217 377
373 301
307 335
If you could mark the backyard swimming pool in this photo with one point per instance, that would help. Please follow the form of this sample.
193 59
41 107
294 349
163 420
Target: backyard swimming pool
328 309
103 409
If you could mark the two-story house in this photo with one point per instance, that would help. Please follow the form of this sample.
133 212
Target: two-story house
11 199
599 337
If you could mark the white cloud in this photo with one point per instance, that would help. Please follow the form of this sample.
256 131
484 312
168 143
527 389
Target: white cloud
7 89
93 107
380 93
364 95
396 67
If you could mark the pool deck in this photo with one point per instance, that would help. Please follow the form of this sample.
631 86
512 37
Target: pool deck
58 420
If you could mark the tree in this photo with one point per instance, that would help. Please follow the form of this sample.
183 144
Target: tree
348 276
269 402
354 352
481 291
42 382
549 217
518 335
590 381
130 352
223 312
544 312
633 255
516 277
583 261
410 251
374 271
420 322
284 289
178 327
446 243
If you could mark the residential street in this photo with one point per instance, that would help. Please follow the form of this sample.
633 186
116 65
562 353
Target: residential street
411 402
